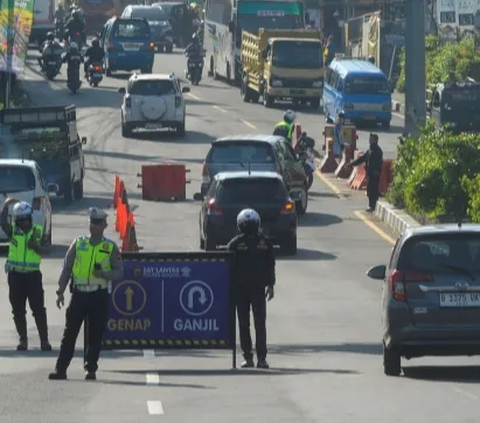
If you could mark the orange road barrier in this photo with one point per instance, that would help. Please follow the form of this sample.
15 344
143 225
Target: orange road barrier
116 191
344 169
385 177
329 163
130 241
360 179
349 135
163 182
297 133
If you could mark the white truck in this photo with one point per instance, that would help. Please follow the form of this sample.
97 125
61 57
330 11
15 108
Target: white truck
43 20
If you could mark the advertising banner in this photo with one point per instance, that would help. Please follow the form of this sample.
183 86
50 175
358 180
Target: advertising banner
172 300
20 26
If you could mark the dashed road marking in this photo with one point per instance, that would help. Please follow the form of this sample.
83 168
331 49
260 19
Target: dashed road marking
250 125
374 227
465 393
193 96
155 408
153 379
219 109
148 353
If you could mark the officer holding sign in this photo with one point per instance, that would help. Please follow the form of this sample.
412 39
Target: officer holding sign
91 262
254 277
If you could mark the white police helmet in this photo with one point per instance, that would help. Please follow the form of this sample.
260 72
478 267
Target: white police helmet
248 221
289 116
22 210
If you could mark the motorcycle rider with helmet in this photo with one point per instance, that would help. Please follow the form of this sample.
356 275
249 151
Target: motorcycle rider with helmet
73 58
94 54
254 279
286 126
50 43
194 51
75 24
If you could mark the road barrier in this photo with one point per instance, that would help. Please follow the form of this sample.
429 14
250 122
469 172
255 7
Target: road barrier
164 182
386 176
329 163
174 301
343 169
360 179
349 135
125 219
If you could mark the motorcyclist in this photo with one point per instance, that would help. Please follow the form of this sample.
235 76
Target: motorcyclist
50 42
60 12
73 58
94 54
75 24
194 51
286 126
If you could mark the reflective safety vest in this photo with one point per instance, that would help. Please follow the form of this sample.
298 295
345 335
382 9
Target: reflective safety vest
86 256
283 128
20 257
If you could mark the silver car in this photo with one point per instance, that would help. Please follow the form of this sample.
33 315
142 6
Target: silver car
431 294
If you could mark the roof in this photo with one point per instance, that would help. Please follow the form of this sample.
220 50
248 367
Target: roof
355 66
249 137
302 40
244 174
153 76
18 162
141 6
442 229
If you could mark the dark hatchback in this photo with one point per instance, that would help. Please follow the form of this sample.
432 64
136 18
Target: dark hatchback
231 192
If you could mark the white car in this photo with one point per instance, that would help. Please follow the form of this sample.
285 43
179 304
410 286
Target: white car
23 180
153 101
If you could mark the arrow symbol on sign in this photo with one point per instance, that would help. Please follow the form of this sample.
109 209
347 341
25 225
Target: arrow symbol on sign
191 295
129 298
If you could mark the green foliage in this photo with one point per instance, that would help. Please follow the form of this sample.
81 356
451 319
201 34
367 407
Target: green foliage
433 172
472 187
458 60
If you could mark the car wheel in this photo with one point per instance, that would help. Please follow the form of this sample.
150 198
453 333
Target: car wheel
386 125
126 130
209 245
169 48
303 203
315 104
392 361
290 246
78 189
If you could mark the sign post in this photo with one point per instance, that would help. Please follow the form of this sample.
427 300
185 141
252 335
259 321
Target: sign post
173 300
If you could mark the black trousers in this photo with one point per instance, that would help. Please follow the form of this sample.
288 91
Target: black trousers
373 188
253 298
83 305
23 287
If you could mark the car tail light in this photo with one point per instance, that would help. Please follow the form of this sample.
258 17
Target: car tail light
399 280
205 175
178 101
37 203
213 208
128 102
152 45
78 34
348 106
288 208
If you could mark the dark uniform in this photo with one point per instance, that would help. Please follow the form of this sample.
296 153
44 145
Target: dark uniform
91 262
253 271
94 54
373 160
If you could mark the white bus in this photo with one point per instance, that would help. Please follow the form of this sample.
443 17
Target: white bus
225 20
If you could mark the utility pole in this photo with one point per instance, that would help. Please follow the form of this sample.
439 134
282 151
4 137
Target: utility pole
10 42
415 107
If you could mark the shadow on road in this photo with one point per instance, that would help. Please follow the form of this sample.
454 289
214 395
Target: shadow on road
354 348
322 194
158 385
306 255
318 219
167 136
464 374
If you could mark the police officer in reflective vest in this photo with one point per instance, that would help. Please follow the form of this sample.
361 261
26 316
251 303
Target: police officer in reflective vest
91 262
253 272
286 126
27 244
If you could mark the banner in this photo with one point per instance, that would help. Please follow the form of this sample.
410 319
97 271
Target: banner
172 300
21 27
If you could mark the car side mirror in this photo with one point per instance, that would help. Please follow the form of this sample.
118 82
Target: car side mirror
377 272
197 197
185 89
122 90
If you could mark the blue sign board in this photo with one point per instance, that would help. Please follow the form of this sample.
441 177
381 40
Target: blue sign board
172 301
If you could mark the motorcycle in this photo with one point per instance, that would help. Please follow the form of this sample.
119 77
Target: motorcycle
51 62
76 37
195 68
73 74
304 149
95 74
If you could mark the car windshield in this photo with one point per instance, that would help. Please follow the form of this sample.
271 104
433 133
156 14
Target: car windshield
366 85
251 190
150 14
465 99
244 152
133 30
445 253
16 179
308 55
152 88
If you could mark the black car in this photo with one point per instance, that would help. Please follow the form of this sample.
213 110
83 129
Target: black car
159 22
231 192
256 152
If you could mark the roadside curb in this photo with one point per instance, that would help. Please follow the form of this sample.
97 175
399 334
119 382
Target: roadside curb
397 220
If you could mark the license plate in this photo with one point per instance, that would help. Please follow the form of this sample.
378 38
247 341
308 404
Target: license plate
153 126
97 75
297 91
454 299
52 63
369 117
131 47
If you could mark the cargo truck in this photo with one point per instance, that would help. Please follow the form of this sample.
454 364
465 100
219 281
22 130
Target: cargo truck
282 65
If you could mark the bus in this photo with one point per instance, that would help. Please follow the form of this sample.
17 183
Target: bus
226 19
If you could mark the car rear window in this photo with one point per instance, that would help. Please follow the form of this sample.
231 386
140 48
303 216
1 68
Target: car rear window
445 253
251 190
16 179
150 13
241 152
132 30
152 88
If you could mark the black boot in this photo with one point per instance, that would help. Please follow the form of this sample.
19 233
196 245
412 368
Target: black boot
42 328
58 374
21 326
262 364
90 375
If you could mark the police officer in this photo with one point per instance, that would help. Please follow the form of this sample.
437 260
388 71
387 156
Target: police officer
254 278
25 250
91 262
94 54
286 126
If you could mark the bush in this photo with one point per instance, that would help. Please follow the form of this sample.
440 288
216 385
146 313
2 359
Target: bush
472 188
459 59
433 172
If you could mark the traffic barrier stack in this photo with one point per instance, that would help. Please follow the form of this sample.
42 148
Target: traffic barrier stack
164 182
386 176
349 135
343 169
359 178
297 133
329 163
125 220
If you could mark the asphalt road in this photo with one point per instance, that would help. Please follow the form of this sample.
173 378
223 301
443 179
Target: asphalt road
324 323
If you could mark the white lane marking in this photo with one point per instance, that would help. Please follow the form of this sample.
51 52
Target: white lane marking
193 96
155 408
250 125
465 393
153 379
219 109
148 353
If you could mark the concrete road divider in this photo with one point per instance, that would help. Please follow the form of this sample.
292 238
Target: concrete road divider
329 162
163 182
386 177
349 135
344 170
360 179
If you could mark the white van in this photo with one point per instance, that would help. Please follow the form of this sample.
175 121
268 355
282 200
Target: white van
43 20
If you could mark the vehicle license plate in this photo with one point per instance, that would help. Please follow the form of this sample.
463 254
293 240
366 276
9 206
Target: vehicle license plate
464 299
153 126
97 75
297 91
369 117
131 47
52 63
